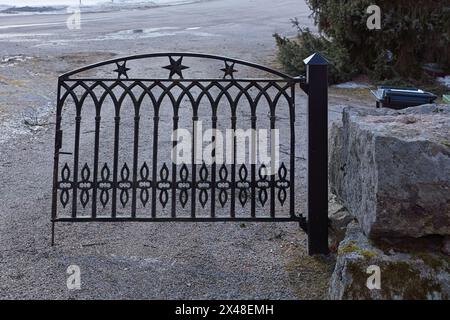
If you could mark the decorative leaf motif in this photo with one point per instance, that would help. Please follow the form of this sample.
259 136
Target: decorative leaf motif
144 184
282 184
144 195
124 197
65 185
184 185
164 185
85 173
144 171
105 172
184 172
104 185
203 185
223 185
124 185
104 198
85 185
243 173
243 185
65 173
223 173
164 173
263 184
64 197
125 172
163 198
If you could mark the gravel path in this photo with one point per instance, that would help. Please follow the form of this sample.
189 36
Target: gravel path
132 260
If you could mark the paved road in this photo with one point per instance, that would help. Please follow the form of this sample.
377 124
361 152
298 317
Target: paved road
144 261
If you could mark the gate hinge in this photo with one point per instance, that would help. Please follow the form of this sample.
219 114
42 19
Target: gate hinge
303 83
304 224
304 87
58 142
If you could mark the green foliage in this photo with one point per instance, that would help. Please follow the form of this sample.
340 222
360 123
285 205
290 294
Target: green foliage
293 52
413 32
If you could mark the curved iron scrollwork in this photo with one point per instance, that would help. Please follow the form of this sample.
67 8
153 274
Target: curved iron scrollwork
104 185
203 185
164 185
85 185
184 185
282 184
65 185
263 185
124 185
223 185
243 185
144 184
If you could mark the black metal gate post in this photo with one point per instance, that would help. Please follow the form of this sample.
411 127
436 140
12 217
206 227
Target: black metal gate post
317 87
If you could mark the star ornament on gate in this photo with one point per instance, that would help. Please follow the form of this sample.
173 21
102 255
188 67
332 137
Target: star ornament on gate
176 67
122 70
229 70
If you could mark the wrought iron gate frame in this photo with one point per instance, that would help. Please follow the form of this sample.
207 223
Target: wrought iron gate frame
315 85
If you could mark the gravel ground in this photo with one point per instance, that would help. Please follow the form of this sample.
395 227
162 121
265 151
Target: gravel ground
132 260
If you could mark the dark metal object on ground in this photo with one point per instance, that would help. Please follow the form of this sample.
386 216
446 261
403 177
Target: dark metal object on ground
401 98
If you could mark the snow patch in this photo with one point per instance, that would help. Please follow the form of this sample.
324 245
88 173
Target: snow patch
352 85
444 80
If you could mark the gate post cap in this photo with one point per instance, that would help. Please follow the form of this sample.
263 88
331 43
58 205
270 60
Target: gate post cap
316 59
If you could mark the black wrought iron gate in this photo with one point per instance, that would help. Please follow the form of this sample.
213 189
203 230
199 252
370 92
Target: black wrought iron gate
133 179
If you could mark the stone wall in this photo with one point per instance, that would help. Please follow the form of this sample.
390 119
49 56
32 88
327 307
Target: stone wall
391 170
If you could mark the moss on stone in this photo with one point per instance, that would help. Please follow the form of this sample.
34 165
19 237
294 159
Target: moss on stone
348 248
351 247
434 261
399 279
368 254
358 289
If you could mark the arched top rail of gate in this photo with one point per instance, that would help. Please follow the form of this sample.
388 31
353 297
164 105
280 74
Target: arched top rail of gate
175 68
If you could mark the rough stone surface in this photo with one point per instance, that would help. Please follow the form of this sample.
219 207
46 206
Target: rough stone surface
418 275
446 246
339 218
391 169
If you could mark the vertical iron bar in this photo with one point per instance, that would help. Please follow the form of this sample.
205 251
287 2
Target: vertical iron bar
253 164
292 165
137 118
233 164
194 159
155 160
317 77
75 161
116 161
273 169
53 234
213 166
174 165
96 152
